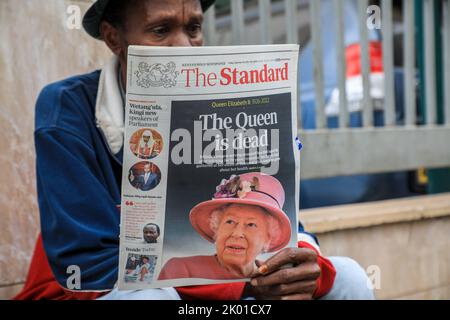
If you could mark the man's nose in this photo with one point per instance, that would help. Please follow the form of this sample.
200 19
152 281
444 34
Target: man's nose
181 39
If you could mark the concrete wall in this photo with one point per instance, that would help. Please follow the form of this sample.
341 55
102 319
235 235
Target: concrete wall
36 48
405 244
413 257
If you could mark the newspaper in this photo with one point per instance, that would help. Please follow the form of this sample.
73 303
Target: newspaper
211 165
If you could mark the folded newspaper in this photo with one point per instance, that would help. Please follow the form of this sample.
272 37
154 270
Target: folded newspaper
211 163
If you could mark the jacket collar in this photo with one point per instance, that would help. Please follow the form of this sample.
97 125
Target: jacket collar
109 107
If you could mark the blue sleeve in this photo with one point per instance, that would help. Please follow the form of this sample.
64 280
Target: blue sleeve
301 229
79 218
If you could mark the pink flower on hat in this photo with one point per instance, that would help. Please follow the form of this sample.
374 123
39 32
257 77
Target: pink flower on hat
246 187
235 187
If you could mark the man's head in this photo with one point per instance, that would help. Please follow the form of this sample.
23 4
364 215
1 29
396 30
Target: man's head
146 22
147 136
151 232
147 167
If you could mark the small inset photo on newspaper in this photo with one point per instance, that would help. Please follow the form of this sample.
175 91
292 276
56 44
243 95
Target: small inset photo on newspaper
140 268
151 233
144 175
146 143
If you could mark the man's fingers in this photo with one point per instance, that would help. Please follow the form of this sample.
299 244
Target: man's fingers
259 263
287 256
296 296
256 272
299 296
304 271
298 290
308 286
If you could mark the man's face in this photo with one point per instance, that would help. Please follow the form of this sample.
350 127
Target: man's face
147 168
150 234
169 23
165 23
241 236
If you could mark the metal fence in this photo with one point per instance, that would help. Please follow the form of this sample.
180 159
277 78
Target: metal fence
369 149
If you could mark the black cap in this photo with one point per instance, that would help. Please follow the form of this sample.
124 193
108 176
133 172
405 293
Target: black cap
93 17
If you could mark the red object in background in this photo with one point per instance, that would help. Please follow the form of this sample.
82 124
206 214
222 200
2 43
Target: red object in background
353 58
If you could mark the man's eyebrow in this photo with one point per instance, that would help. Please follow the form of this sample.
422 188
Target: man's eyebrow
169 17
196 17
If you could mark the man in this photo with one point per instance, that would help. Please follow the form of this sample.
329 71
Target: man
151 233
79 146
148 180
145 148
143 270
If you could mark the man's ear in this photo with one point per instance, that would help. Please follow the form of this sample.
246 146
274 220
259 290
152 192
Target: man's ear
112 37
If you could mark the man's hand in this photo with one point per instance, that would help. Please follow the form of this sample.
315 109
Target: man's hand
291 274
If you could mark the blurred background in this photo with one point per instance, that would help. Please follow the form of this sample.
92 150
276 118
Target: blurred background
373 116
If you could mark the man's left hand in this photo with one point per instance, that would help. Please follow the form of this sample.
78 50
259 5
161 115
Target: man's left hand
291 274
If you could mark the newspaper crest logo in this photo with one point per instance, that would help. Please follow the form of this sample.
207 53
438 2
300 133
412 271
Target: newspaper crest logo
156 75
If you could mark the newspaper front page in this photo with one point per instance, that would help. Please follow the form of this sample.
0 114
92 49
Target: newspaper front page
211 165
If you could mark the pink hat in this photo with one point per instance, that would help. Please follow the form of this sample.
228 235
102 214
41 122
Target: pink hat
250 188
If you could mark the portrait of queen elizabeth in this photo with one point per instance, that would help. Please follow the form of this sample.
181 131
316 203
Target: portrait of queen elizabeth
244 219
